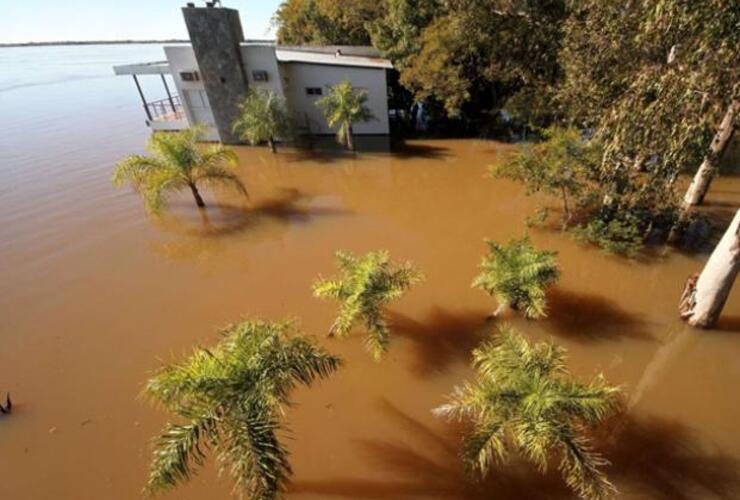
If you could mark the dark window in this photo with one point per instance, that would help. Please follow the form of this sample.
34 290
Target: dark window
189 76
259 76
313 91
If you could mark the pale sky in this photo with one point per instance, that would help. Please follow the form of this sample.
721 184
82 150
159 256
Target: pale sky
56 20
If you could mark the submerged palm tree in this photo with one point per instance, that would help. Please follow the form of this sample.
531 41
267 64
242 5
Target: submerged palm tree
364 286
524 398
230 399
178 163
518 275
343 106
263 117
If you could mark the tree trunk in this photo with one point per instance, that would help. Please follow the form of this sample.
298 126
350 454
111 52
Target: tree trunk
350 139
271 143
704 297
198 200
703 178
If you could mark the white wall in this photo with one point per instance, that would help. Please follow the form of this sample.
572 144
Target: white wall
298 76
262 58
182 58
291 80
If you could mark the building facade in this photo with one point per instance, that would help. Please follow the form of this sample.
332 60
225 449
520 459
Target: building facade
214 72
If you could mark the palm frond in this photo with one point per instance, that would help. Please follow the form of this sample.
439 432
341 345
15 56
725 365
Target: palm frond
364 286
231 398
525 399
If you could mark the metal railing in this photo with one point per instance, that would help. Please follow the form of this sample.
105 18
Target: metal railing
169 108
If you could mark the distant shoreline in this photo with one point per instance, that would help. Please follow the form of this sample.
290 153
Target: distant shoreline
90 42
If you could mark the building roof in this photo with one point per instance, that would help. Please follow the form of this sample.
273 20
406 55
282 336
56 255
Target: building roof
335 59
149 68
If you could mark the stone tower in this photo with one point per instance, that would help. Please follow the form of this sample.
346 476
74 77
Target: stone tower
215 34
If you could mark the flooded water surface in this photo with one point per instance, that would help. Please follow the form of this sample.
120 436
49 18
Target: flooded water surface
94 296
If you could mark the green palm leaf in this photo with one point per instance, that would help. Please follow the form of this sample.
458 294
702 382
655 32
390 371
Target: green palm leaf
177 164
365 285
344 106
525 400
230 399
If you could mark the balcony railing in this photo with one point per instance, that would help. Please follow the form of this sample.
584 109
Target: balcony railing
167 109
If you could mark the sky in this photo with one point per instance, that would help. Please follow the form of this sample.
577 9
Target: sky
58 20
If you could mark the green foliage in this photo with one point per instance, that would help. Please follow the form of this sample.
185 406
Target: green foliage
177 164
230 399
619 235
343 106
525 399
326 22
564 165
263 117
518 275
365 285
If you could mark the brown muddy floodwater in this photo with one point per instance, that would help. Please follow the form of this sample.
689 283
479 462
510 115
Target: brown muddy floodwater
95 295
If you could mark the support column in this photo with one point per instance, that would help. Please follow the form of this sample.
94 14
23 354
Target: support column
169 96
143 100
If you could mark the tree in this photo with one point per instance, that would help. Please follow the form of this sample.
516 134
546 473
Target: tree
230 399
263 117
705 296
364 287
178 163
564 165
518 275
703 178
326 22
344 106
525 399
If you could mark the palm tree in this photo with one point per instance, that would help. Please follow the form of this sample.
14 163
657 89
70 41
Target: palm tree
343 106
518 275
178 163
230 399
364 286
263 117
525 399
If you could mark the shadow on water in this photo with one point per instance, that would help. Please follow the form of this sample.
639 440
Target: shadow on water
405 150
653 457
663 459
728 323
427 465
220 220
442 337
590 318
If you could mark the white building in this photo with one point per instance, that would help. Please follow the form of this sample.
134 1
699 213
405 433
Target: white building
300 74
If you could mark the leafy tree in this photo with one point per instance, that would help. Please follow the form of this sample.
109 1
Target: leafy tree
565 165
482 52
344 106
178 163
524 399
230 399
326 22
365 285
518 275
263 117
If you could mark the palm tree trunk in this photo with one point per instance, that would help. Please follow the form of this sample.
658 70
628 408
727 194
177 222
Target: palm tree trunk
198 200
271 143
703 178
704 297
350 139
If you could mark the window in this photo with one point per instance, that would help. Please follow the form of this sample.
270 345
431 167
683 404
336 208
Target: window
189 76
259 76
314 91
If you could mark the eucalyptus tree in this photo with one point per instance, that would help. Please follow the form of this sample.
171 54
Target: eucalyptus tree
705 295
365 285
525 400
263 117
518 276
344 106
177 163
230 399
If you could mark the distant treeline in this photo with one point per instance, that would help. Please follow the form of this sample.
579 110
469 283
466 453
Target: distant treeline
90 42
